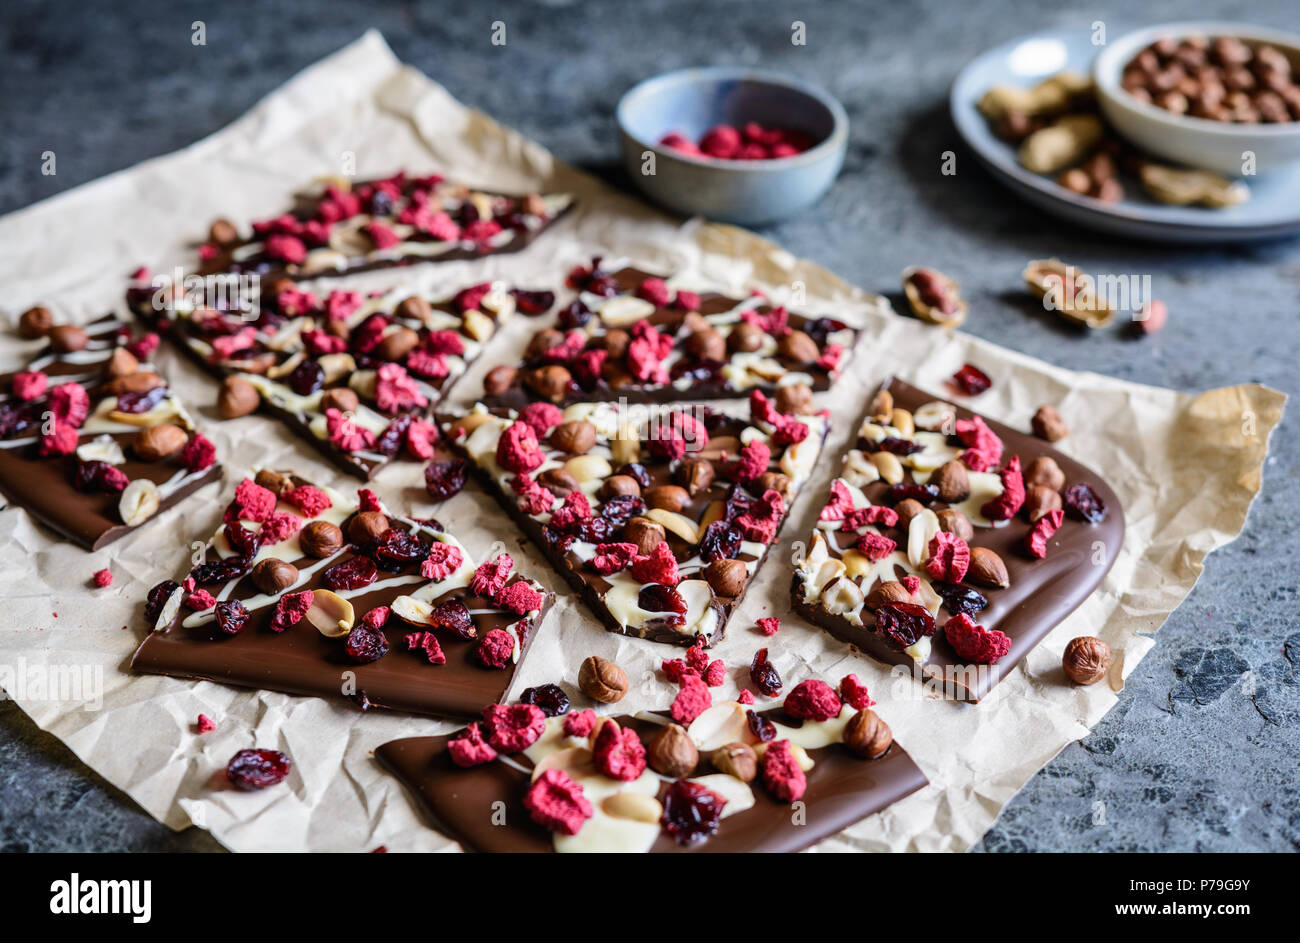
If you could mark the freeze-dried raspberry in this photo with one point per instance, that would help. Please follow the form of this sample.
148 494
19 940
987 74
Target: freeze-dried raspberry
198 453
290 608
746 697
983 447
520 598
347 434
655 291
1005 506
142 348
565 351
420 438
841 502
587 366
543 417
722 141
367 500
666 443
278 527
533 498
62 440
377 617
761 520
556 802
911 583
646 351
443 560
468 299
382 236
575 508
200 600
395 391
580 723
875 546
854 693
762 409
517 449
470 749
949 557
675 669
444 342
1042 531
775 322
496 649
617 753
659 566
695 435
99 476
789 431
103 578
490 577
481 230
781 772
692 700
293 302
512 728
288 248
443 228
812 700
687 301
769 625
974 642
308 499
697 657
205 724
319 343
427 365
70 403
830 357
875 514
610 558
252 502
426 642
715 674
752 461
29 385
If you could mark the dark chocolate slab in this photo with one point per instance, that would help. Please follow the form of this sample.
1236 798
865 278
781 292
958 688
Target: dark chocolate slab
44 485
1042 592
465 803
302 661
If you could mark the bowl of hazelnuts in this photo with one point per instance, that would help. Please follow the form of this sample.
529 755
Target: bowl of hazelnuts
1217 96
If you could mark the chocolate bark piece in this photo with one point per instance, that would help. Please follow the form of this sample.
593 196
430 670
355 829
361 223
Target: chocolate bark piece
189 643
842 789
745 515
47 486
1040 594
348 373
706 360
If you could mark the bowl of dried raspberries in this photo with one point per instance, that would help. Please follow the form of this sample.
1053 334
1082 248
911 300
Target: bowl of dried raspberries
741 145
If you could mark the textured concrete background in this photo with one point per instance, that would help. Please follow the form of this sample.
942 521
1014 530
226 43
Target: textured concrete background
1189 760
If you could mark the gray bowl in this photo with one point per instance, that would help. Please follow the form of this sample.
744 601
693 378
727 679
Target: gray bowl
749 192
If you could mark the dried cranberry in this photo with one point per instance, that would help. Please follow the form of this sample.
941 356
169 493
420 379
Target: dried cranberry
602 284
381 203
395 549
971 380
391 439
636 470
691 811
903 623
575 315
958 599
353 573
655 597
557 538
594 530
245 542
444 479
307 378
157 598
721 541
898 446
365 644
98 476
549 697
533 302
257 769
231 616
926 494
820 328
1082 504
622 508
760 727
19 417
764 674
700 371
140 402
455 617
220 571
739 501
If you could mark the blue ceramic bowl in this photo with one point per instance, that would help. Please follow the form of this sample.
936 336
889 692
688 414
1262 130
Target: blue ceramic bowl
749 192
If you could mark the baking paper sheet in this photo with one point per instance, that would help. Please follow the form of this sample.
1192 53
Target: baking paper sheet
1187 468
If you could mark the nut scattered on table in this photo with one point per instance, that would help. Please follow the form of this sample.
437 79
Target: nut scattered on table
602 680
1049 424
933 297
1086 660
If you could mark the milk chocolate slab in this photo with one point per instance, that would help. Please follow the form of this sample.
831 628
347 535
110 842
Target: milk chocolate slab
627 335
1042 592
124 399
348 373
603 489
187 639
842 789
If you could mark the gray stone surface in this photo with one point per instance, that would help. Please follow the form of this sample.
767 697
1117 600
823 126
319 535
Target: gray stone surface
1188 760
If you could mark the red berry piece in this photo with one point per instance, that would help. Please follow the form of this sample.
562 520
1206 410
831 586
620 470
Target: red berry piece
257 769
353 573
444 479
231 616
903 623
365 644
454 617
691 811
764 674
971 380
1082 504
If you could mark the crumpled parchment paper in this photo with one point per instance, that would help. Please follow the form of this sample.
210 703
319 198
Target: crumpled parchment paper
1186 467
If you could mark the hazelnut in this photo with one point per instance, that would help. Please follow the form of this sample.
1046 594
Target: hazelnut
576 437
987 569
35 322
890 591
1044 471
338 328
616 485
1048 424
558 481
320 539
736 759
953 521
707 344
727 577
499 379
397 344
602 680
550 382
366 526
867 735
746 337
672 753
667 497
122 363
1039 499
694 474
67 338
616 341
907 509
342 398
645 533
273 481
799 348
237 398
223 232
795 399
953 482
272 576
775 481
1086 660
542 343
158 442
140 382
413 308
